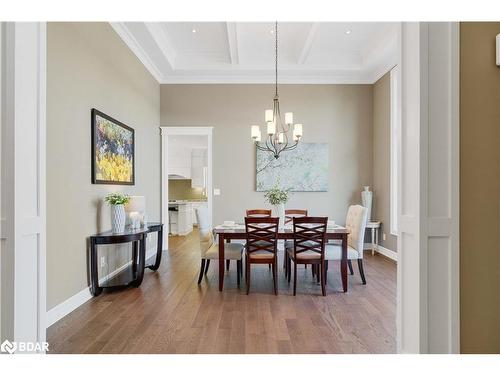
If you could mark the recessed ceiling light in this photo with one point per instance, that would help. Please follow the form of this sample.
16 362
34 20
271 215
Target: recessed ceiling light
348 32
271 31
194 31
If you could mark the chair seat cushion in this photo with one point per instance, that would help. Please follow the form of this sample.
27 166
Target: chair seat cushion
232 251
334 252
289 244
310 255
260 254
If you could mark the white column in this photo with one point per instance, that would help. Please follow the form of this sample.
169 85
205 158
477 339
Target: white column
427 316
23 179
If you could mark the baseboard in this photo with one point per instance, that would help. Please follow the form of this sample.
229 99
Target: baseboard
64 308
382 251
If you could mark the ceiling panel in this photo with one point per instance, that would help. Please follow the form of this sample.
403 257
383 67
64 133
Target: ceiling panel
227 52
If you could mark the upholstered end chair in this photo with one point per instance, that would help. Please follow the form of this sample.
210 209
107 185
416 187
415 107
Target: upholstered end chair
209 249
356 224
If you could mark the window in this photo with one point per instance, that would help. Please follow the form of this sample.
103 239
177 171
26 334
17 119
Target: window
394 153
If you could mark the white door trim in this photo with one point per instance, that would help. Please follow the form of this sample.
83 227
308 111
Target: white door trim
428 238
183 130
24 174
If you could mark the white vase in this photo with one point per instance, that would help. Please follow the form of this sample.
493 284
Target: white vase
366 199
118 218
280 212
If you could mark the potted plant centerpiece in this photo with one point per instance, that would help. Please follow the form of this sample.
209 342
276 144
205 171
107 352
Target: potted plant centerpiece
117 203
278 197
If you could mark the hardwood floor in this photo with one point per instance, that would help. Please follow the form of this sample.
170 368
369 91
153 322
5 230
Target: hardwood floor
170 313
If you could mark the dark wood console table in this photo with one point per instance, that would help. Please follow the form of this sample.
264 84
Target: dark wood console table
133 274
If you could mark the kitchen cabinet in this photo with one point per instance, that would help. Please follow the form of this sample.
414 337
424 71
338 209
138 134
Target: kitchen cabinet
199 168
180 218
195 206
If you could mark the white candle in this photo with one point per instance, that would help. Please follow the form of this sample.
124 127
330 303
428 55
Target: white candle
271 128
255 131
281 138
258 138
297 131
289 118
269 115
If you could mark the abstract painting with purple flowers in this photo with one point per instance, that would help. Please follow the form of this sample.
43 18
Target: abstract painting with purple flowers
112 151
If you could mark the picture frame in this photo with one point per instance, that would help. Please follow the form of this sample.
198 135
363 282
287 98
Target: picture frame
113 150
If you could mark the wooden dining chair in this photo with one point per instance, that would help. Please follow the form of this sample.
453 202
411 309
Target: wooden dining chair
261 212
261 246
291 213
309 239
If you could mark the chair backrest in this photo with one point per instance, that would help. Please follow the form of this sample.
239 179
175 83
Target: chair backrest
309 234
258 213
205 232
291 213
262 234
356 223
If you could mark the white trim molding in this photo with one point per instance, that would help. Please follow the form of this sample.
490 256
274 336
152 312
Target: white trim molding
391 254
64 308
167 131
428 238
23 176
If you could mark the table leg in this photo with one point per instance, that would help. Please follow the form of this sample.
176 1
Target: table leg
134 256
343 263
142 260
373 241
376 237
159 250
94 276
221 261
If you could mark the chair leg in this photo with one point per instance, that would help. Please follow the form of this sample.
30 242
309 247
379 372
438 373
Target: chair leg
247 276
361 271
227 264
326 271
313 271
206 267
323 278
202 268
294 278
238 271
274 266
289 265
318 270
349 263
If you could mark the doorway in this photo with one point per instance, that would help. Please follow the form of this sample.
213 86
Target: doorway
186 166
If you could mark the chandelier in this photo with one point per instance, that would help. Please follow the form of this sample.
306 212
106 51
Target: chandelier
279 135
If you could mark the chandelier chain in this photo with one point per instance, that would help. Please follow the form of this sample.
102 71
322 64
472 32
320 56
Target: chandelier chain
276 55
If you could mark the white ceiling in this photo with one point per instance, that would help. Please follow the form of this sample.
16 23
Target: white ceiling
243 52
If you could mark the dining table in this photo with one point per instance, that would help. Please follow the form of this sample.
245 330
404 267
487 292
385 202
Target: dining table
237 232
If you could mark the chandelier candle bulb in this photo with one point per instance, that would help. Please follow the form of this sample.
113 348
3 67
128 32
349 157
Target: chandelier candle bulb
258 138
289 118
255 131
281 139
271 128
297 130
269 115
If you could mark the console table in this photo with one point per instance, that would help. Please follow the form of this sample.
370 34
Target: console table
134 273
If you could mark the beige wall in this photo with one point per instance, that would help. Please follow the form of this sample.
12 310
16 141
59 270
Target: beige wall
89 66
381 159
479 189
338 114
182 190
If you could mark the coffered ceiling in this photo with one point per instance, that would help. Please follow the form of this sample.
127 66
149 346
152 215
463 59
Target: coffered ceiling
243 52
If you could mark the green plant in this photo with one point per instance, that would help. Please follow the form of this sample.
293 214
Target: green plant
276 195
114 199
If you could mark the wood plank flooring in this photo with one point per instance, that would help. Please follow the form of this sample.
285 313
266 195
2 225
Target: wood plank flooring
170 313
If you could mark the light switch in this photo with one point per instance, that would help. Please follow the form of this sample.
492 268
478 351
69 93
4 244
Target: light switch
216 191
